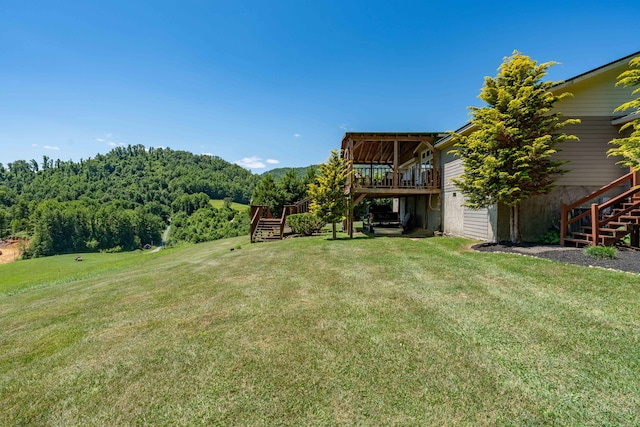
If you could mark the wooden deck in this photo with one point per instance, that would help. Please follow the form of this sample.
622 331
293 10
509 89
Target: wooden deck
390 164
376 181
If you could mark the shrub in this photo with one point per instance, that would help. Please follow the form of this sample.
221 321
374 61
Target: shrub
92 244
626 239
551 237
601 252
305 223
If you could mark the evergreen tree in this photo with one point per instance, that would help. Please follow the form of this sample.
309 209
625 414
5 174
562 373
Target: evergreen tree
293 188
508 158
329 201
4 223
268 193
629 147
309 176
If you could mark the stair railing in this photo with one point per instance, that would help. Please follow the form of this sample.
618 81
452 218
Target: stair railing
257 213
596 209
286 211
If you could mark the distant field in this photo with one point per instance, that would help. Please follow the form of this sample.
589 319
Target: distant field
220 203
309 331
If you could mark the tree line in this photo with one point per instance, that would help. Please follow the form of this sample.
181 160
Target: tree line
121 200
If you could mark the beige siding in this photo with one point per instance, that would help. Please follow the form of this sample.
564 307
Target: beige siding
588 161
473 223
451 168
452 208
596 96
476 224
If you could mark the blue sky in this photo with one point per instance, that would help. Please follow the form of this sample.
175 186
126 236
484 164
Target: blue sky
271 84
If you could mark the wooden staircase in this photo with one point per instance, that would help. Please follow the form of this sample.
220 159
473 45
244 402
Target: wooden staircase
266 228
604 223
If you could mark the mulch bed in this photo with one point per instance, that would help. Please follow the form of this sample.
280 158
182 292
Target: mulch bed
628 259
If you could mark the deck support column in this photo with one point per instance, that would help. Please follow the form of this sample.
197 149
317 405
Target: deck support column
595 225
395 164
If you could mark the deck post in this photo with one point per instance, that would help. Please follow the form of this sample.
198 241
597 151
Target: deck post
595 224
563 224
635 235
395 163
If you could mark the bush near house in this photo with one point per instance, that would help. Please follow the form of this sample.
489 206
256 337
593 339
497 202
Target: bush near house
305 223
601 252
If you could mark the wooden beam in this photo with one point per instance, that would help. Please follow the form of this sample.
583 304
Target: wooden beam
394 192
395 164
371 137
369 156
357 144
359 198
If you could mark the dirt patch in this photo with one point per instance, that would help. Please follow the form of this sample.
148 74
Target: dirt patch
10 250
628 259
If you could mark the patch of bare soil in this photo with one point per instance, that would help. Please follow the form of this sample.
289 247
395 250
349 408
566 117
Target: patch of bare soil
9 250
628 259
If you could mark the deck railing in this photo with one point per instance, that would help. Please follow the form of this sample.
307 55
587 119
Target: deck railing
406 178
303 205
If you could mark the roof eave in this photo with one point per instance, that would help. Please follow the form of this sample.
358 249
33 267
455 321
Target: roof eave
625 119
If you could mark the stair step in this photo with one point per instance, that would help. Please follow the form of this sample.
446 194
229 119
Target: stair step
608 231
629 218
607 240
577 242
267 230
580 235
617 224
633 212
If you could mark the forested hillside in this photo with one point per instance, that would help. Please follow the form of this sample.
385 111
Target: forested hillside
121 200
279 173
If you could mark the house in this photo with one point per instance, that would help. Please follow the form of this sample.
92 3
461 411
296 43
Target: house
443 208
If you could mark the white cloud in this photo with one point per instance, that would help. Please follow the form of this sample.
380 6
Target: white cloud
273 161
34 145
107 139
251 163
207 154
49 147
344 127
297 135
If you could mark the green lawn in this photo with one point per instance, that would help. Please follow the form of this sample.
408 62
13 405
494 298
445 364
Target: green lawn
308 331
220 203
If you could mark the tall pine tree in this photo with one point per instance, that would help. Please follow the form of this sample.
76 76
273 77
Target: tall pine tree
508 157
